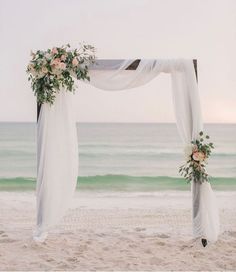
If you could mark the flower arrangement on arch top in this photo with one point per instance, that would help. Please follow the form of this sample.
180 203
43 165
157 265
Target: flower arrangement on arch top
197 154
57 67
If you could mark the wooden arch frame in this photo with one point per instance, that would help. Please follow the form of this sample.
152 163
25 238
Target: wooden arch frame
132 66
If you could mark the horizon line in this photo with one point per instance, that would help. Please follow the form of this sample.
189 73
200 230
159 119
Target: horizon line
122 122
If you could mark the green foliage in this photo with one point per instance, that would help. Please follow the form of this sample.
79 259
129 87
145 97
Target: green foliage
195 167
58 67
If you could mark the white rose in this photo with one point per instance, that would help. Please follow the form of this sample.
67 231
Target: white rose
40 74
48 56
56 71
75 62
45 70
31 69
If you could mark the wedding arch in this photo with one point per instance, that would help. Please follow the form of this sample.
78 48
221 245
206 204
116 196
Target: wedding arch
57 153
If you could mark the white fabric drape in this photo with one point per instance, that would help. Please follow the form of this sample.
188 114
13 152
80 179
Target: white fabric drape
188 119
57 162
189 122
56 181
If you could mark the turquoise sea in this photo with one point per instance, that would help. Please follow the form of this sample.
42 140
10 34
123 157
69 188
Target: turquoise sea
119 156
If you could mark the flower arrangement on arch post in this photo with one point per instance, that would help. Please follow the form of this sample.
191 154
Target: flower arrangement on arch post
57 67
197 154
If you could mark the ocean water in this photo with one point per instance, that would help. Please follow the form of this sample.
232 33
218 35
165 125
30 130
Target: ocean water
119 156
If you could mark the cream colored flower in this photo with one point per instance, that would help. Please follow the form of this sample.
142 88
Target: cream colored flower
63 57
75 62
54 51
56 71
31 69
48 56
201 156
40 74
45 70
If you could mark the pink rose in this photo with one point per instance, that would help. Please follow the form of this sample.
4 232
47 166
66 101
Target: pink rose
201 156
62 65
198 156
56 71
31 69
75 62
55 62
63 57
54 50
195 156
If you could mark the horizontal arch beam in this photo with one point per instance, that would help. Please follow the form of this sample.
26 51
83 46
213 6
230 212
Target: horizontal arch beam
132 66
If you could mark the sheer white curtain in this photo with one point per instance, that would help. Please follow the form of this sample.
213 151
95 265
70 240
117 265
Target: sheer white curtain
112 76
188 119
57 162
189 122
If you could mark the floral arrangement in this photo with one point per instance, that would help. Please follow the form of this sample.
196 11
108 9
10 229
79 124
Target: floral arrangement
55 68
197 154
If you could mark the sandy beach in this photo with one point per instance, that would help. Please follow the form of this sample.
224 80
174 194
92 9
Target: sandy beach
116 231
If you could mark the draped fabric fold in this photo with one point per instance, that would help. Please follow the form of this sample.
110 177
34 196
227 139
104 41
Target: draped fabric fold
189 122
57 162
56 128
188 119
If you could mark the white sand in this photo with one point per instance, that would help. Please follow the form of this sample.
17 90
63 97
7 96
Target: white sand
116 231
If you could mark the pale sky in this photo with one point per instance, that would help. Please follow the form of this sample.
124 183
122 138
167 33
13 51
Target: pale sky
202 29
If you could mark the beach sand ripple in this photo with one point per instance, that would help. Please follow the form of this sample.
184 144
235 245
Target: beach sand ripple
140 235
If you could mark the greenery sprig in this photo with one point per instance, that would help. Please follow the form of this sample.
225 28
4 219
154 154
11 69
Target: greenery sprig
197 154
57 67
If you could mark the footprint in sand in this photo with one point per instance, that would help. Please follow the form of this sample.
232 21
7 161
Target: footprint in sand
3 234
106 248
133 246
232 233
140 229
101 234
198 254
155 261
159 243
50 260
188 246
148 251
63 266
72 259
164 236
6 240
